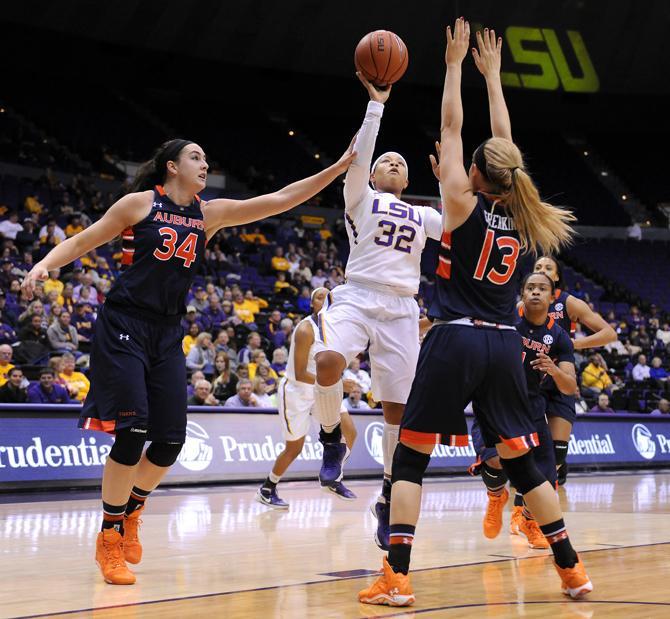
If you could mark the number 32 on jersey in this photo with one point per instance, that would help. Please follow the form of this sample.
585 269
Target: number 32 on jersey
185 252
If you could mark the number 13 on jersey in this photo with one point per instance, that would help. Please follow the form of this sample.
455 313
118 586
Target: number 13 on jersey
508 260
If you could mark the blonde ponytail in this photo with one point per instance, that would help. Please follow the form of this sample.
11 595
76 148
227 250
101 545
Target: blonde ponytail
541 226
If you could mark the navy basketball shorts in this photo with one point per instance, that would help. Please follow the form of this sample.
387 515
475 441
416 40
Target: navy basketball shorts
559 404
458 364
483 452
138 377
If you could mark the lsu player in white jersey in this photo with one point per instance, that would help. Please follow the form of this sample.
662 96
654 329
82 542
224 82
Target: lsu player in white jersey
296 401
376 305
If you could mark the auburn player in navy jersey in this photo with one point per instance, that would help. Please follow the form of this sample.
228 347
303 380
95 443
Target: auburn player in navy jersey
568 310
138 371
473 352
547 354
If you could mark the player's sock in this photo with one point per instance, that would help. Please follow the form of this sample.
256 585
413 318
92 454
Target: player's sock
494 479
137 499
112 517
389 443
557 536
400 538
518 500
271 481
526 514
327 405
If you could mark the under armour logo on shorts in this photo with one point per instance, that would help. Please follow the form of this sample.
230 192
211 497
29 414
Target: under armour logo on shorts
158 205
123 336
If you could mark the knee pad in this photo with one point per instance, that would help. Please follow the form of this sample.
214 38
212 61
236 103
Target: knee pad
408 465
128 446
163 454
560 452
494 479
523 472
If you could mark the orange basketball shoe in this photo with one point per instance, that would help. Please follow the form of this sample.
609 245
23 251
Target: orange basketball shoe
109 557
494 511
132 548
574 580
531 531
516 520
390 589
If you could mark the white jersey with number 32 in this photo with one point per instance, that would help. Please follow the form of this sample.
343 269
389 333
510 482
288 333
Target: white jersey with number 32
386 234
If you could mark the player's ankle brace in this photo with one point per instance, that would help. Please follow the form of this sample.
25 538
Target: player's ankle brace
523 472
334 436
560 452
409 465
494 479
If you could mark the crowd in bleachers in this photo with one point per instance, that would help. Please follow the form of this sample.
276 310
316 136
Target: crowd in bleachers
254 286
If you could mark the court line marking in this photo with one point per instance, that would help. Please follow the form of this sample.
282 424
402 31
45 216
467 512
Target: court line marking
486 605
332 580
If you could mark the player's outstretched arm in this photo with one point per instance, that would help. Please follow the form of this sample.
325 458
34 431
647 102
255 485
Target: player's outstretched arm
221 212
356 183
580 312
126 212
487 59
458 200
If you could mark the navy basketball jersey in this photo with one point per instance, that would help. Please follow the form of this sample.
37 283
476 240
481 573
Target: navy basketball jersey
477 274
549 339
558 310
161 255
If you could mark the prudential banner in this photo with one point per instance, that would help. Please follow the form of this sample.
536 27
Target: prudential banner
236 446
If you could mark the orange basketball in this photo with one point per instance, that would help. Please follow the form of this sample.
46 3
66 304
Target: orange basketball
382 57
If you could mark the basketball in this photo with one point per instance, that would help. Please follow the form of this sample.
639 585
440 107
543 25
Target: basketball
382 57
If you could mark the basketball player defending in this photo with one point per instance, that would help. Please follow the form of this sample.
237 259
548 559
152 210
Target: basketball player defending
376 306
296 401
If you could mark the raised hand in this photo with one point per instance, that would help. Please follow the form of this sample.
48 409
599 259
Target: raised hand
435 161
458 42
380 96
37 274
487 58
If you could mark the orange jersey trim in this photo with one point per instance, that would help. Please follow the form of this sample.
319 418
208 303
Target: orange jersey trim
432 438
92 423
518 443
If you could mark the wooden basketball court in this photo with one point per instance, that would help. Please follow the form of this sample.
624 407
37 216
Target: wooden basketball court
217 552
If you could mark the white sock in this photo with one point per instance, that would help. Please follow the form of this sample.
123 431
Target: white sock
327 405
389 443
274 478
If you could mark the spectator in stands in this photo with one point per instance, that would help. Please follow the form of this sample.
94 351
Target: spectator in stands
354 372
224 385
635 318
243 308
77 383
279 261
222 344
253 343
75 226
283 336
190 338
54 283
304 302
595 378
47 391
270 377
34 331
50 236
6 353
663 407
7 333
83 321
603 405
256 237
10 227
245 397
195 377
199 300
641 371
641 338
213 314
242 370
62 335
283 287
26 237
202 395
12 392
663 336
657 373
353 401
260 392
272 326
303 273
318 279
36 308
259 358
202 353
68 301
7 316
279 360
335 278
